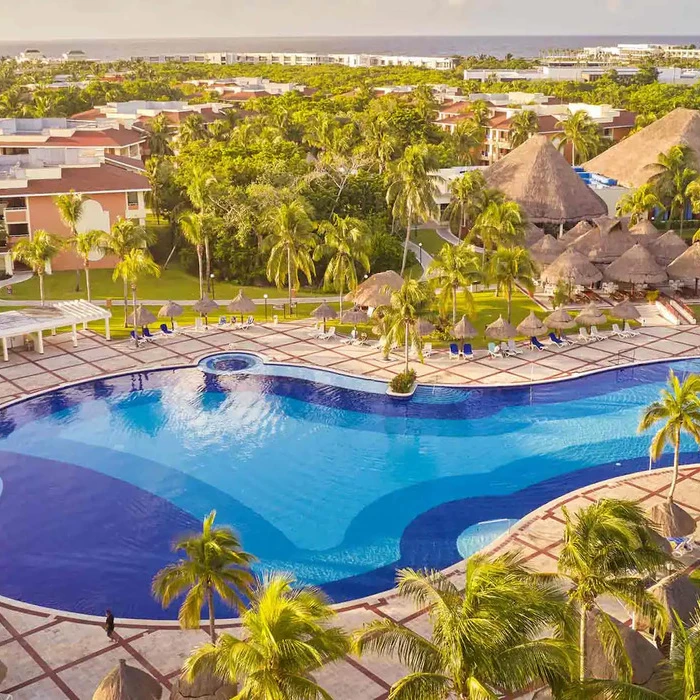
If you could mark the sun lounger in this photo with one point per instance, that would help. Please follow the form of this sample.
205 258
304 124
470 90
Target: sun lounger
681 545
513 349
583 335
165 330
427 349
617 332
556 341
454 351
147 335
137 338
565 339
349 339
467 351
494 351
535 343
597 335
329 335
629 331
223 321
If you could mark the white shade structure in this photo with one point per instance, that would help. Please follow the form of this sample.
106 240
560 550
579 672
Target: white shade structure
500 329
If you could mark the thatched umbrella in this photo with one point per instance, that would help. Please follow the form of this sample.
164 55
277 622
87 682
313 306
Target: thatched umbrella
205 306
241 304
573 234
636 266
464 329
128 683
677 593
625 310
531 325
645 231
205 686
574 268
591 316
671 520
686 266
533 233
141 317
170 310
374 291
606 241
547 250
424 327
355 315
560 320
324 311
500 329
667 248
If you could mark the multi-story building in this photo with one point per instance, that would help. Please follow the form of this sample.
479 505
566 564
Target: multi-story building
137 113
621 53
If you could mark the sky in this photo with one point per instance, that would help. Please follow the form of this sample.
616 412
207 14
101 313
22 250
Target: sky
90 19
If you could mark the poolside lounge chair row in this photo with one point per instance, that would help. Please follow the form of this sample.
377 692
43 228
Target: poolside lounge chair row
148 337
235 324
594 334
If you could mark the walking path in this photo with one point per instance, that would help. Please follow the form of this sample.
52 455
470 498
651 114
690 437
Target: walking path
424 258
16 279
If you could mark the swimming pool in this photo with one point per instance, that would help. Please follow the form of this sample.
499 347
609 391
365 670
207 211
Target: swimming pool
322 474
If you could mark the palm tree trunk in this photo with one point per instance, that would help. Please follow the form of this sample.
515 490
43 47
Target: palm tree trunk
41 287
77 279
509 294
212 620
682 217
126 301
406 346
676 460
133 301
289 278
87 280
340 315
405 245
582 644
199 265
207 259
454 305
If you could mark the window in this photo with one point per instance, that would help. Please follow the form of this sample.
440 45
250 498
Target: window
18 229
13 203
132 199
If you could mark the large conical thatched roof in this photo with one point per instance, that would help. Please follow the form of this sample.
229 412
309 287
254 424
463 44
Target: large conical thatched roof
677 593
645 231
572 267
687 265
605 242
537 177
573 234
533 233
632 162
667 248
636 266
127 683
547 250
672 520
373 291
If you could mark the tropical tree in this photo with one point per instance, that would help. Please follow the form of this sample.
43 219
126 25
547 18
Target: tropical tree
412 190
192 228
685 185
609 550
159 133
639 203
523 125
672 181
346 240
378 142
37 252
87 242
124 237
467 194
480 112
509 267
213 563
135 264
452 269
581 133
199 183
154 173
287 635
677 411
290 241
489 636
70 207
192 129
499 224
467 137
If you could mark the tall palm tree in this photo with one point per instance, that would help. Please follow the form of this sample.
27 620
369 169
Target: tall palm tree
192 129
480 112
677 411
523 125
70 207
466 195
122 238
452 269
511 266
346 240
87 242
609 550
37 252
135 264
379 142
213 562
639 203
467 137
401 315
192 227
289 242
499 224
199 183
159 134
581 133
684 184
489 636
673 177
412 190
287 636
154 173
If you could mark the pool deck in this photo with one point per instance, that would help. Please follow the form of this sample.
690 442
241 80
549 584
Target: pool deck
55 655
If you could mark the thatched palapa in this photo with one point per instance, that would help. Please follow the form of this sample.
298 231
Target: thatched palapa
531 325
560 320
464 329
128 683
500 329
677 593
141 317
672 520
374 292
540 180
205 306
645 231
686 266
533 233
205 686
667 248
636 266
241 304
605 242
355 315
625 310
547 250
591 316
573 267
573 234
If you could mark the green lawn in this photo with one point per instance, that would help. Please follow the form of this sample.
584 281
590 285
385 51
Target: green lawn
432 243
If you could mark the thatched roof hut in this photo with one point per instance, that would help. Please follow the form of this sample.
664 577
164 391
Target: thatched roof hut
667 248
573 234
671 520
126 682
355 315
533 233
632 161
645 231
625 310
591 316
572 267
560 320
464 329
373 291
605 242
205 687
687 265
636 266
677 593
531 325
500 329
540 180
547 250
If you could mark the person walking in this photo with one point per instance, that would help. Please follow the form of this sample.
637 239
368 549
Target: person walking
109 624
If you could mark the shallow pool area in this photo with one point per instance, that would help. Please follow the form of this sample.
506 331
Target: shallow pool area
322 474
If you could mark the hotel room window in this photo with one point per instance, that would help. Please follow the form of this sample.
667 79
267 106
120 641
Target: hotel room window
132 200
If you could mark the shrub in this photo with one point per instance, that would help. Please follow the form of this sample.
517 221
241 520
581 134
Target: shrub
652 296
403 382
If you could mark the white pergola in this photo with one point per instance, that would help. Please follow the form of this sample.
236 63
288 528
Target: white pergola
37 319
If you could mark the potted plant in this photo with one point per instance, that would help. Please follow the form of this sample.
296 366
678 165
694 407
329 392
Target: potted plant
403 385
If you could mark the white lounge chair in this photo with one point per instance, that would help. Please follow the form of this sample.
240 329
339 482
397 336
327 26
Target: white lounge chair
629 331
617 332
596 334
329 335
494 351
513 348
583 336
427 349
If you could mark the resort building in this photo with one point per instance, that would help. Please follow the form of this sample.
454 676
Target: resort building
30 182
621 53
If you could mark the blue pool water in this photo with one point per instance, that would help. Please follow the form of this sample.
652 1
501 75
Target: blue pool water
323 475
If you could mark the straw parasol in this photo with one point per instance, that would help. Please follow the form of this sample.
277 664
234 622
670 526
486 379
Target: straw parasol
424 327
127 683
355 315
672 520
374 292
606 241
141 317
686 266
625 310
500 329
575 233
464 329
645 231
170 310
324 311
591 316
205 686
205 306
547 250
533 233
241 304
573 267
560 320
677 593
636 266
537 176
667 248
531 325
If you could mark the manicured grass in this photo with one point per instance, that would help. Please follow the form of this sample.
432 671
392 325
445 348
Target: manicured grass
432 242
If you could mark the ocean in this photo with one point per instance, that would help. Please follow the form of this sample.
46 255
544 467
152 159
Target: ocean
522 46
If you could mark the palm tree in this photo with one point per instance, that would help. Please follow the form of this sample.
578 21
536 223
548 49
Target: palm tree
192 129
287 636
488 636
609 550
379 142
678 411
454 267
404 309
581 133
500 224
468 136
87 242
289 242
70 207
676 170
199 181
192 227
523 125
136 263
467 193
213 562
684 184
123 237
412 190
154 173
159 133
346 240
639 203
511 266
37 252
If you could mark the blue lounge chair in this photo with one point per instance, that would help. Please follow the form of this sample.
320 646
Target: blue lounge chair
467 351
536 343
165 330
454 351
223 321
136 338
147 334
556 340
